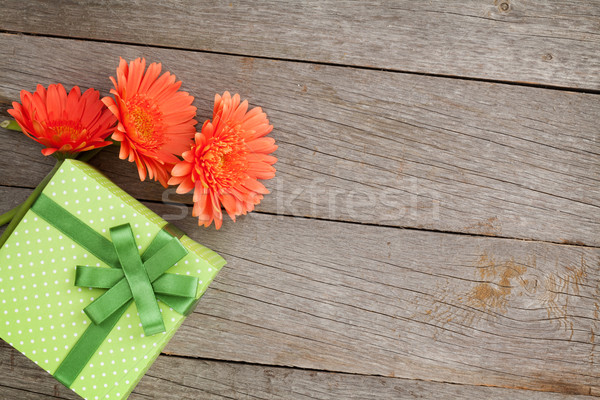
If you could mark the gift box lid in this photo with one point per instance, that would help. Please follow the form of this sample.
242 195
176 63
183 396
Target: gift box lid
42 309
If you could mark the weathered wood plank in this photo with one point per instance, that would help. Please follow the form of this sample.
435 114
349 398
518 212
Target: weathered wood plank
365 146
22 379
400 303
512 40
179 378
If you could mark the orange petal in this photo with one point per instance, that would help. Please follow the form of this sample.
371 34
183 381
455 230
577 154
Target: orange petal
185 186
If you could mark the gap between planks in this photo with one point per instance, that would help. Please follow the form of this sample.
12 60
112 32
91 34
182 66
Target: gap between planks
323 63
152 201
533 41
189 378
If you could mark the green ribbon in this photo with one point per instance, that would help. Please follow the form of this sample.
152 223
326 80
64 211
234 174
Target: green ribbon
131 278
139 280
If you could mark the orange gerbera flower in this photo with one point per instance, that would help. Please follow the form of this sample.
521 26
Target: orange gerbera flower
156 120
66 124
228 157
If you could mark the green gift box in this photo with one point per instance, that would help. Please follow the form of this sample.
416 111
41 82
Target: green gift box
80 278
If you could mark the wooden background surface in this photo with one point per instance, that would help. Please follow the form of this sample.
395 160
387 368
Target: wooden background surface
434 228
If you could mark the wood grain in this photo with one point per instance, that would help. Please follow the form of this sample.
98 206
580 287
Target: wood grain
347 303
179 378
400 303
533 41
364 146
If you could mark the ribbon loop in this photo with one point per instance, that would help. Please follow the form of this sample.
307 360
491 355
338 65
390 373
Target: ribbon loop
176 285
137 277
100 278
109 302
166 257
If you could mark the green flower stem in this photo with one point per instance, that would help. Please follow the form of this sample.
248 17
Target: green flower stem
22 210
10 124
8 216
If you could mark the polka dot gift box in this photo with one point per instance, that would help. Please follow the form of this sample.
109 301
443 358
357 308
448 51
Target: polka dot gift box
93 284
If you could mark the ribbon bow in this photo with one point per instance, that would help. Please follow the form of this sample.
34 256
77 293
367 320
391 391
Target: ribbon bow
142 278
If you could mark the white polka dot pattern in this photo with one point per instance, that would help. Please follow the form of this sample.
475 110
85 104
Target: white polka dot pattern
41 308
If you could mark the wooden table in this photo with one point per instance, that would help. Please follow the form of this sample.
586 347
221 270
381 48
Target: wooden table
434 227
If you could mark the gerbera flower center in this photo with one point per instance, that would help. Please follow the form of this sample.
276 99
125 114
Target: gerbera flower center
67 130
223 162
146 120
